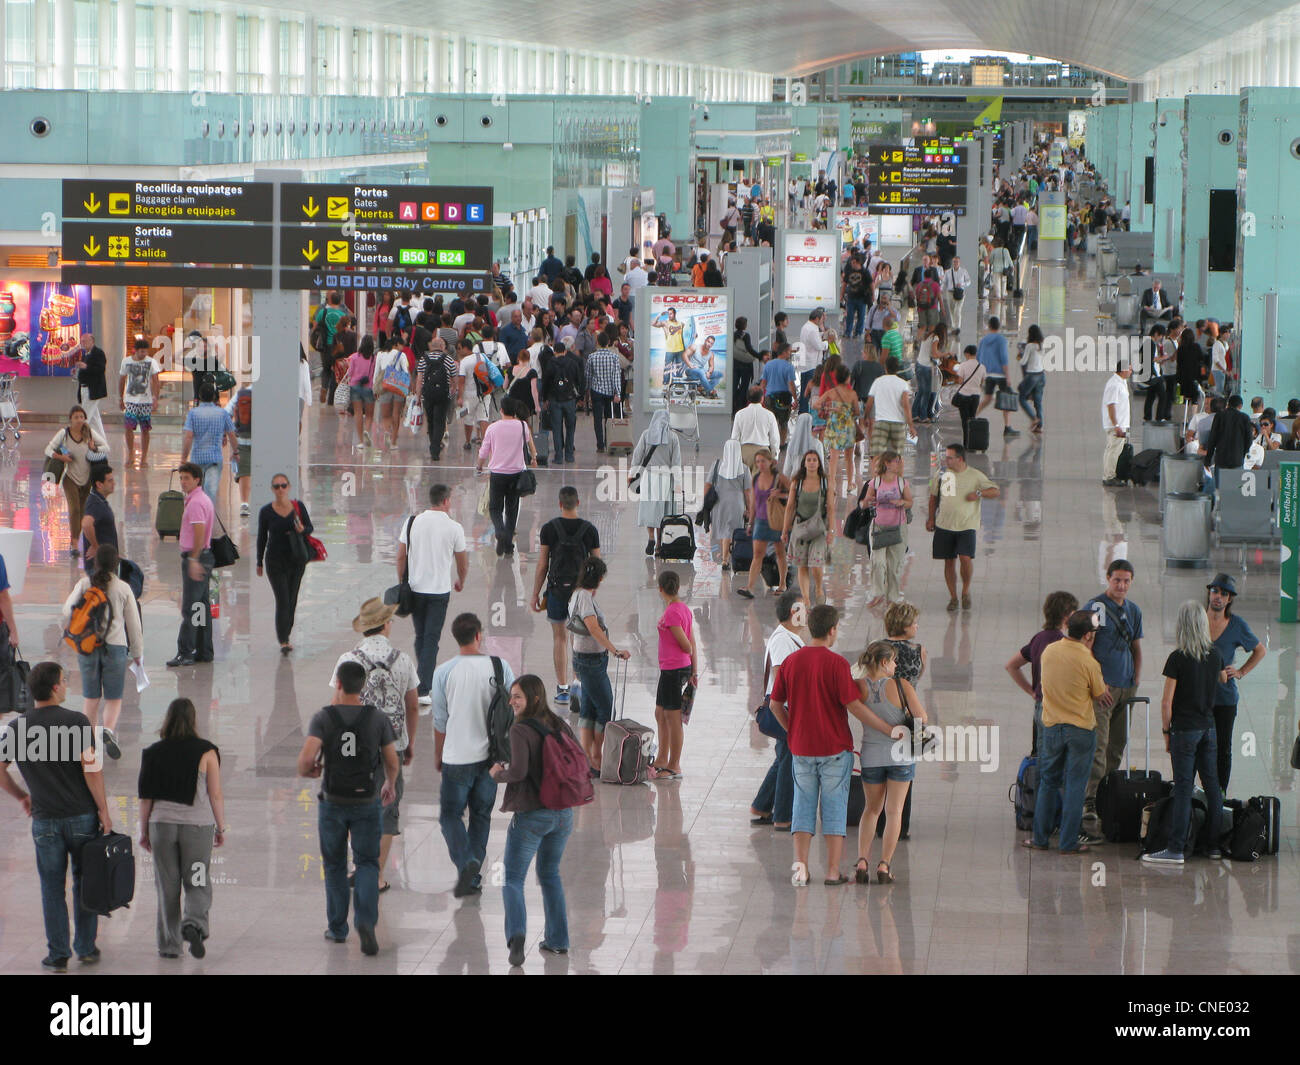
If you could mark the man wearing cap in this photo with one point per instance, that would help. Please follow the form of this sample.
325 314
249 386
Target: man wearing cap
1228 632
391 684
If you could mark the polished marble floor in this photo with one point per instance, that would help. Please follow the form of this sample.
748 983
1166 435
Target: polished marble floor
671 877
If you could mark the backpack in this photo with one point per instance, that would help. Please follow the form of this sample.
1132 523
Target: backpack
925 294
566 561
244 410
500 717
565 772
381 692
437 383
487 374
566 388
90 621
402 320
351 765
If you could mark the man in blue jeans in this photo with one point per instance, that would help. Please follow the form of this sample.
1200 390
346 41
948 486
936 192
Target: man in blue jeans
462 692
207 426
813 695
774 802
351 744
1071 681
66 804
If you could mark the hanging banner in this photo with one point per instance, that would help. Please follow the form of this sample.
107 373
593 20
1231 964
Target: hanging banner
689 333
810 270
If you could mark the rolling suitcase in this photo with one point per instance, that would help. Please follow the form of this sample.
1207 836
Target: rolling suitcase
1123 794
542 441
171 507
618 433
1124 465
107 873
676 538
1270 808
770 571
977 434
628 748
742 551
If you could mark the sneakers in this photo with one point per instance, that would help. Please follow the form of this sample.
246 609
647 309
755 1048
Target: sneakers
1165 857
58 965
191 934
425 700
516 946
952 605
965 601
91 958
110 745
562 694
369 944
1008 431
465 882
244 510
1092 838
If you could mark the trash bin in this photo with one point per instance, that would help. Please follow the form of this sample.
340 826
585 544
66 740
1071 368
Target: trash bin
1160 436
1185 533
1179 473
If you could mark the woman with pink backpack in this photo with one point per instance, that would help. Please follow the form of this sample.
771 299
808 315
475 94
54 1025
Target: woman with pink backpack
546 777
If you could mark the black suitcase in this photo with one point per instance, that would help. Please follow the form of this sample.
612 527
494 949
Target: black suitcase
1124 467
742 551
1125 793
1270 808
977 434
676 539
107 873
1145 467
771 574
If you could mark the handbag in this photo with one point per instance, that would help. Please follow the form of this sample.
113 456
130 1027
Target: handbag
917 728
224 552
343 397
15 692
400 594
806 530
775 512
883 536
341 367
315 549
766 720
1006 400
53 470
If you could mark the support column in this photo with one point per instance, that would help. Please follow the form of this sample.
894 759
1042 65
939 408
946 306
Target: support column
65 39
227 66
406 64
311 57
268 50
434 78
347 63
377 70
178 58
124 61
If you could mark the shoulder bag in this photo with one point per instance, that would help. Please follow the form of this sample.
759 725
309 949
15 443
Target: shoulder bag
315 549
224 552
400 594
776 506
634 483
526 482
806 530
883 536
917 728
766 720
54 467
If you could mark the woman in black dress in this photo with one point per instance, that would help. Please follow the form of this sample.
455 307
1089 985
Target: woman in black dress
279 524
1190 362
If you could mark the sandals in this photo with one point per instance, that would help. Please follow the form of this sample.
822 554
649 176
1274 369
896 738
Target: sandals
841 879
862 874
799 874
884 876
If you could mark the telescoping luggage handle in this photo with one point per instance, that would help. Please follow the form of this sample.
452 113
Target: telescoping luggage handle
1128 738
620 685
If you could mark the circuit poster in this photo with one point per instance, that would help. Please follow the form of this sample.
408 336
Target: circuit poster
689 333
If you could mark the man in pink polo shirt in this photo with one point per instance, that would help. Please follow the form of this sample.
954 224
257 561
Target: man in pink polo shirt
194 644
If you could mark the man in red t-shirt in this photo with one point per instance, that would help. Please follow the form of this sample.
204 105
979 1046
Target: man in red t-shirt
813 696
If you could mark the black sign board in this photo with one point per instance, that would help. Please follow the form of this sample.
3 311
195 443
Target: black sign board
411 281
915 196
180 201
386 247
371 205
165 242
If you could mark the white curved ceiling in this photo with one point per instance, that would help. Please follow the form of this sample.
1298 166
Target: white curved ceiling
1121 37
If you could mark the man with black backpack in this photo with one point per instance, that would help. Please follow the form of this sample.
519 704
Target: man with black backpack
349 743
401 316
391 686
438 385
566 543
563 381
471 732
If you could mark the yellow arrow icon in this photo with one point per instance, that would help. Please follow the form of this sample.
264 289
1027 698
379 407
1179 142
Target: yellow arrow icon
92 205
310 208
92 247
311 253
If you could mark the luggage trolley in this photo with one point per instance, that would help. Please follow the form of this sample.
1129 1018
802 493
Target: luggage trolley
682 400
10 423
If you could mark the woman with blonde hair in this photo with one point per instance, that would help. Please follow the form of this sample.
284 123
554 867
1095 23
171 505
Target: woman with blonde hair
771 491
886 756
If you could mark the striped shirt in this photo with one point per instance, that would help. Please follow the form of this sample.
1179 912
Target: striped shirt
209 424
603 373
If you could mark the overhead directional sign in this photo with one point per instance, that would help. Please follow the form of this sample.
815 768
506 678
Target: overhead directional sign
428 205
913 180
194 201
413 281
390 247
166 242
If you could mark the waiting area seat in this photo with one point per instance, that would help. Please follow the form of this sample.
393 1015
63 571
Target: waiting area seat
1245 509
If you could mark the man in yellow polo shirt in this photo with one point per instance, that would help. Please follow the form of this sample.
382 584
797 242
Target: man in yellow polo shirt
1072 681
954 518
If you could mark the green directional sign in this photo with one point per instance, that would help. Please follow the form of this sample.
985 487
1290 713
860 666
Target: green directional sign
451 257
414 257
1288 519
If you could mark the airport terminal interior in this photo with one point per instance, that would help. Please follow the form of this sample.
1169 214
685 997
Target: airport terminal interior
256 176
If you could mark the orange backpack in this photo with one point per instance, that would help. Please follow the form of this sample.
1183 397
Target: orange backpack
91 618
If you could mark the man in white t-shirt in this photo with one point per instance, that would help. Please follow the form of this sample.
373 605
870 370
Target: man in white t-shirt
774 803
1115 421
1219 356
812 339
540 294
889 410
636 278
391 686
433 557
462 693
138 390
480 408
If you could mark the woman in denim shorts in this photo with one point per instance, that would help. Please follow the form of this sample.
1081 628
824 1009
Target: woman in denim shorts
103 667
887 762
591 650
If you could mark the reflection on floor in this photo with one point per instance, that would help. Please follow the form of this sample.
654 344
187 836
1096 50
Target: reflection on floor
671 877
